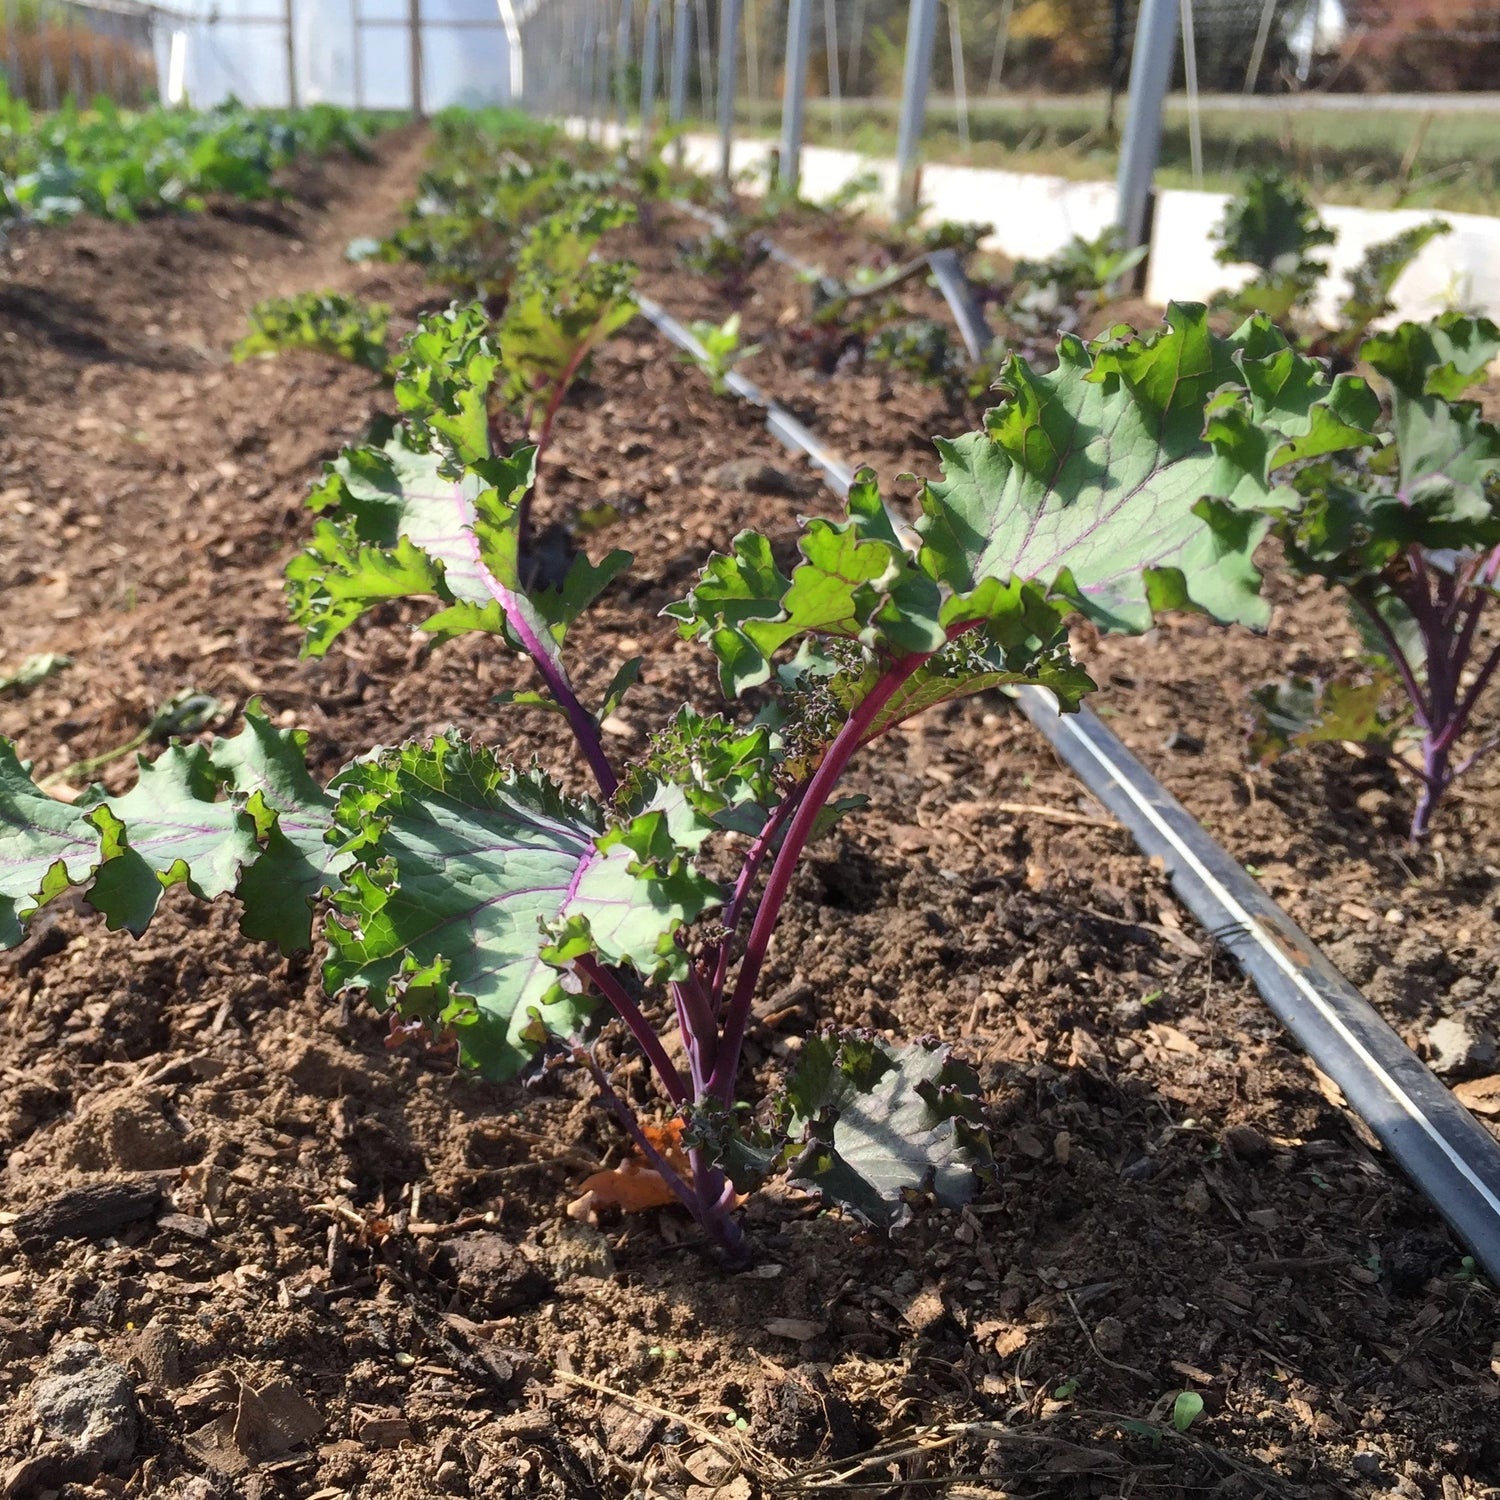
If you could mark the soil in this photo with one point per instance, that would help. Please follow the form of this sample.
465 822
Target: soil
331 1266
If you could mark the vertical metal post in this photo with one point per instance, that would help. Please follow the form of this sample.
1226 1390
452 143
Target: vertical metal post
414 30
358 58
289 25
921 30
831 54
856 47
1150 76
729 61
1002 43
13 50
705 59
960 83
794 101
588 68
1190 76
682 42
648 69
622 68
1258 51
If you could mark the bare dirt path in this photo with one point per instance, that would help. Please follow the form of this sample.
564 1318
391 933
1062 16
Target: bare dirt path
137 462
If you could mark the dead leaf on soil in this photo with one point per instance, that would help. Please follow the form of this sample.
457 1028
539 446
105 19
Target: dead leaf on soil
1482 1095
633 1187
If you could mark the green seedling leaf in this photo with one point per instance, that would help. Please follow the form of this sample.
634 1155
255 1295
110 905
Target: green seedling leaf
327 322
1298 712
1186 1410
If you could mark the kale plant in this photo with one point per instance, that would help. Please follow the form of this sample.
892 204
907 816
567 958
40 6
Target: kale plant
1274 227
729 259
722 348
1411 534
328 322
497 903
1371 283
1054 293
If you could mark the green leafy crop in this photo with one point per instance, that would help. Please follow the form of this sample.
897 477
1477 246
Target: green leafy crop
327 322
1410 533
496 903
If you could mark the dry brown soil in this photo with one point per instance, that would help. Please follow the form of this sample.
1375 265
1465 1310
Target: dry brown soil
359 1278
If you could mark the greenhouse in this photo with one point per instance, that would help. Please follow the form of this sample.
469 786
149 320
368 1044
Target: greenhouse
750 749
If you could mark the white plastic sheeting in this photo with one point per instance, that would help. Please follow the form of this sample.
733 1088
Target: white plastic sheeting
238 49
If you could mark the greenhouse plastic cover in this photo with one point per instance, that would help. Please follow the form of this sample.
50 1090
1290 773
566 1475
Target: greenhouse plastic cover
224 57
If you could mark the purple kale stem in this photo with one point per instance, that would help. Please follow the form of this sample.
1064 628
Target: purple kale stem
708 1198
640 1028
580 720
754 857
699 1027
1470 701
819 789
1398 656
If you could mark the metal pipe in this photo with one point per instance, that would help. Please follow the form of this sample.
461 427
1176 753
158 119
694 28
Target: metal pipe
921 30
794 99
831 55
1150 75
358 57
622 69
649 43
705 58
729 58
289 20
414 27
960 83
682 42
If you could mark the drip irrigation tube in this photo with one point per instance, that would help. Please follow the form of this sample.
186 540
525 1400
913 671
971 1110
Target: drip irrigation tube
1453 1161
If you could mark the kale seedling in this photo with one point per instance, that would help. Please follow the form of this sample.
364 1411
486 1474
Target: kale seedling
499 904
722 349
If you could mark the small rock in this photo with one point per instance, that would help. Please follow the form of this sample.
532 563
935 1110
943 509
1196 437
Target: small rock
1138 1170
580 1250
1367 1462
1248 1144
1460 1045
1196 1200
756 476
492 1273
31 1476
1109 1335
384 1432
157 1354
86 1403
451 1479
